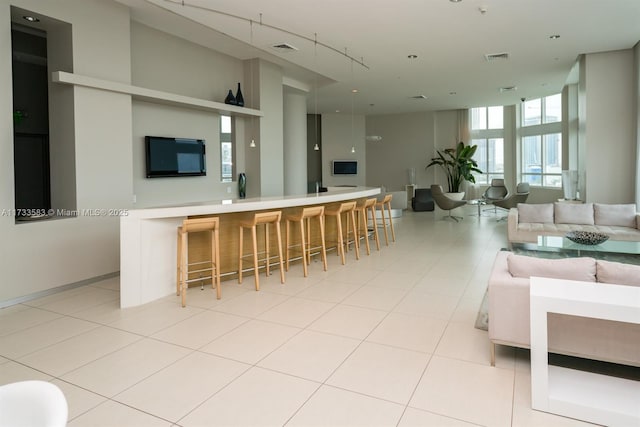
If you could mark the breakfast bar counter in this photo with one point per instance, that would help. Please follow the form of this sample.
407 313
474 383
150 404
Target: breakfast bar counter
148 237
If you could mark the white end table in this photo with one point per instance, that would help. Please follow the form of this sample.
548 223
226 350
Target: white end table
581 395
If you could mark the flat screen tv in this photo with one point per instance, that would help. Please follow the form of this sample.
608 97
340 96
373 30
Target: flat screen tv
344 167
174 157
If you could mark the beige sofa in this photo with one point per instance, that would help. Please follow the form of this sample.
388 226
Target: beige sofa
528 221
576 336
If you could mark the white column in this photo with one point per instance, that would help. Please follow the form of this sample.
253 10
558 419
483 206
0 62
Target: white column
295 141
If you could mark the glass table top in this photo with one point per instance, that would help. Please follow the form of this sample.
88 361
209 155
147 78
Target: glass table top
560 247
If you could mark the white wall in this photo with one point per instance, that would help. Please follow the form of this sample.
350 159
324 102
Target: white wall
40 255
407 142
610 131
295 141
340 132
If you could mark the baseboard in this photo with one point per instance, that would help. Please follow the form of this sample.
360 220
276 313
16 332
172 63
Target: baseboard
57 289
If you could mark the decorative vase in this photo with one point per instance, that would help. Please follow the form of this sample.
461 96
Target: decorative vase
239 97
242 185
230 99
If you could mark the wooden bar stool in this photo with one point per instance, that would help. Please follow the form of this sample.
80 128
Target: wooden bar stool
382 204
264 218
365 208
210 267
349 209
303 217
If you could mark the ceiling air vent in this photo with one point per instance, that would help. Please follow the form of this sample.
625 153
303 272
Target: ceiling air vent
508 89
418 97
284 47
496 56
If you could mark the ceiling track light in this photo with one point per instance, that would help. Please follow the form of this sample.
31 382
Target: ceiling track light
182 3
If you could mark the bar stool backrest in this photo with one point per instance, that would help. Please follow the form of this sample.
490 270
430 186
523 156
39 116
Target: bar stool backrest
266 217
194 225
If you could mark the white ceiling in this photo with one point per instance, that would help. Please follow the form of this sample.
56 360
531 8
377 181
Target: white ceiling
450 40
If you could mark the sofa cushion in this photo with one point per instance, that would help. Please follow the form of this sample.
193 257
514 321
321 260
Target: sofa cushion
542 212
583 269
574 213
619 215
617 273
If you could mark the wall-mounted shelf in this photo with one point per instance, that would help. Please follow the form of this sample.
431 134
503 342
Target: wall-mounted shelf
151 95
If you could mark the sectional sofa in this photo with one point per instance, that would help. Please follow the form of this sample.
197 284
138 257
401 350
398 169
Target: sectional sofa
576 336
528 221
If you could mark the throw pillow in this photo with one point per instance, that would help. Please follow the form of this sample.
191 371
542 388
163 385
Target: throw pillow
574 213
618 273
616 215
542 212
583 269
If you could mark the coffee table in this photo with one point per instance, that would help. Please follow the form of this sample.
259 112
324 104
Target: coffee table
561 247
478 202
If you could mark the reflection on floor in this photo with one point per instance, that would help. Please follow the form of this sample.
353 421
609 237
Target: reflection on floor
387 340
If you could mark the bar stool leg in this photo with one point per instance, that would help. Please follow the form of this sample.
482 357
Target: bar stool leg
324 250
384 225
352 214
215 242
254 240
372 212
303 246
266 250
178 260
288 243
362 216
340 241
184 254
279 235
240 250
393 233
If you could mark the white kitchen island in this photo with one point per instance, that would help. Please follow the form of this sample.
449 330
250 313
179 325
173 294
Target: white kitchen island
148 237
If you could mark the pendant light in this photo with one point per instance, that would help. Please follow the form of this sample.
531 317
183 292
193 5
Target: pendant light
353 94
252 144
316 147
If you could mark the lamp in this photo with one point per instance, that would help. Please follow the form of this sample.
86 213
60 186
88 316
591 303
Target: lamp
353 93
252 144
316 147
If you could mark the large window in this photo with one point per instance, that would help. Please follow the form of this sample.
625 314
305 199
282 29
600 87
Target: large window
541 142
227 154
487 129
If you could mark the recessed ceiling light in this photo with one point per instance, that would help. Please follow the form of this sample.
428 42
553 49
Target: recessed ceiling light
337 111
30 18
554 36
455 1
354 90
412 56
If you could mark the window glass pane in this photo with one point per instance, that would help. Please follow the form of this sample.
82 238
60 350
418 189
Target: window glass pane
553 108
531 150
478 118
225 124
553 153
495 156
481 153
553 181
226 149
531 112
496 117
532 179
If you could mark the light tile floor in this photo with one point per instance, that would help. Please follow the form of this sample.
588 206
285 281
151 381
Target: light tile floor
388 340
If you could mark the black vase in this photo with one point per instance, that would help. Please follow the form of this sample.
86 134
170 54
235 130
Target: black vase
242 185
239 97
230 99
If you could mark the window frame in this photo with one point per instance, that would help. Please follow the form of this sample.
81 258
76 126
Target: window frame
544 130
487 134
227 138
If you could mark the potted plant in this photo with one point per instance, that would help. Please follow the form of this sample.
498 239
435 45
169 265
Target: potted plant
458 164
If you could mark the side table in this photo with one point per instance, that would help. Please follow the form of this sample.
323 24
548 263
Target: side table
591 397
